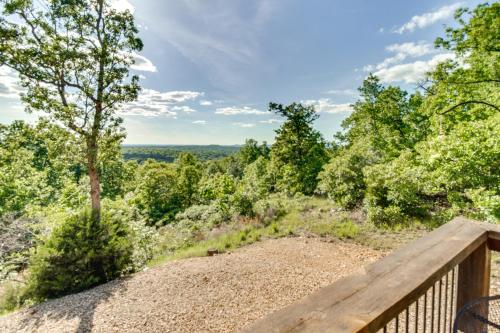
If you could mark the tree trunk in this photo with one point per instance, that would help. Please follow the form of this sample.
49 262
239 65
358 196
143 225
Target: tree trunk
95 186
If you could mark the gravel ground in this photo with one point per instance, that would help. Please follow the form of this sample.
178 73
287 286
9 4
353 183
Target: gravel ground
213 294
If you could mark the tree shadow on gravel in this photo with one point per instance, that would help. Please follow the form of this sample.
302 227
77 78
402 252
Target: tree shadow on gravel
81 306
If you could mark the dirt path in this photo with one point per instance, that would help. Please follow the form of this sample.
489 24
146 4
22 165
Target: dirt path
213 294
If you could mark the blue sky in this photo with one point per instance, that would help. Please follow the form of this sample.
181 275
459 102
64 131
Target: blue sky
210 68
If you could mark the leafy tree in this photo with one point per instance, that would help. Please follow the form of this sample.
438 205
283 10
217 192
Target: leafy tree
299 152
35 164
385 121
157 193
467 89
385 118
218 189
342 178
189 173
73 59
251 151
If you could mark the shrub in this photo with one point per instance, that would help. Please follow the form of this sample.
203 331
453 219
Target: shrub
342 178
386 216
207 215
80 253
270 209
486 204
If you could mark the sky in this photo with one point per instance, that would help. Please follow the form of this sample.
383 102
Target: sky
210 68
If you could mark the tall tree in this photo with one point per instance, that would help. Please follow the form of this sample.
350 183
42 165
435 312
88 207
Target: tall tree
73 59
299 151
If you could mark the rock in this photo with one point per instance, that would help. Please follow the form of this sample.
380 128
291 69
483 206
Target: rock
212 252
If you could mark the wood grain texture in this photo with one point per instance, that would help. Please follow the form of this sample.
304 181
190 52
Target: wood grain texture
474 282
365 301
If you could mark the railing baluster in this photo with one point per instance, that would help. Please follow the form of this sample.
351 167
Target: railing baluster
432 307
445 302
439 306
397 324
425 310
407 319
416 316
452 316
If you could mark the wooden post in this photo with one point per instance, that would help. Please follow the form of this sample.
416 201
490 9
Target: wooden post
473 283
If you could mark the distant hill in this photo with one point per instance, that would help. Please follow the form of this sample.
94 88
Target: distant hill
168 153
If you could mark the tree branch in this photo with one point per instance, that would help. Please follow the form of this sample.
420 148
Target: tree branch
470 102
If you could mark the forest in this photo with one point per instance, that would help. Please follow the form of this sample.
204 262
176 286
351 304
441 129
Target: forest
78 210
169 153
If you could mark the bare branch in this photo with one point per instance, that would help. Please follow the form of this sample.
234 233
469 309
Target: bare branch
470 102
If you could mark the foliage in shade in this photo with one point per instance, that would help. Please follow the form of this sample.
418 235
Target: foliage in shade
80 253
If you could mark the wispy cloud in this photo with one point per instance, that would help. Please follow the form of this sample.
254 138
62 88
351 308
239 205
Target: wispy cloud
402 52
142 63
326 105
426 19
9 83
411 72
152 103
183 108
235 110
244 125
200 122
226 38
342 92
271 121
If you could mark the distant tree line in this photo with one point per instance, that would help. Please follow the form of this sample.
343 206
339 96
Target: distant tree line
141 153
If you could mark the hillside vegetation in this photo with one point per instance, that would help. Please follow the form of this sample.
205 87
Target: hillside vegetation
74 213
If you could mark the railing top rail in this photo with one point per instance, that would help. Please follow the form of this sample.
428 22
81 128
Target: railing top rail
365 301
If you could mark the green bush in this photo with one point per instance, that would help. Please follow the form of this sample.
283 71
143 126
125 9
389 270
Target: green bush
342 178
386 216
80 253
486 204
207 215
268 210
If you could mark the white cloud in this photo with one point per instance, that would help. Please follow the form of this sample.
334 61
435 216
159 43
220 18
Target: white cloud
271 121
411 72
424 20
142 64
9 83
244 125
169 97
122 5
235 110
152 103
184 108
206 103
411 49
148 110
326 105
342 92
402 52
200 122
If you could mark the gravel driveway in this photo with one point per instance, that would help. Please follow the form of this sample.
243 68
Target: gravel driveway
212 294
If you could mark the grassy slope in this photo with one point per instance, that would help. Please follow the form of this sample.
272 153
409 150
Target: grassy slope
308 217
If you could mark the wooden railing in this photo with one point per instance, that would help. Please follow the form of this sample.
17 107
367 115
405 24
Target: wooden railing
418 288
